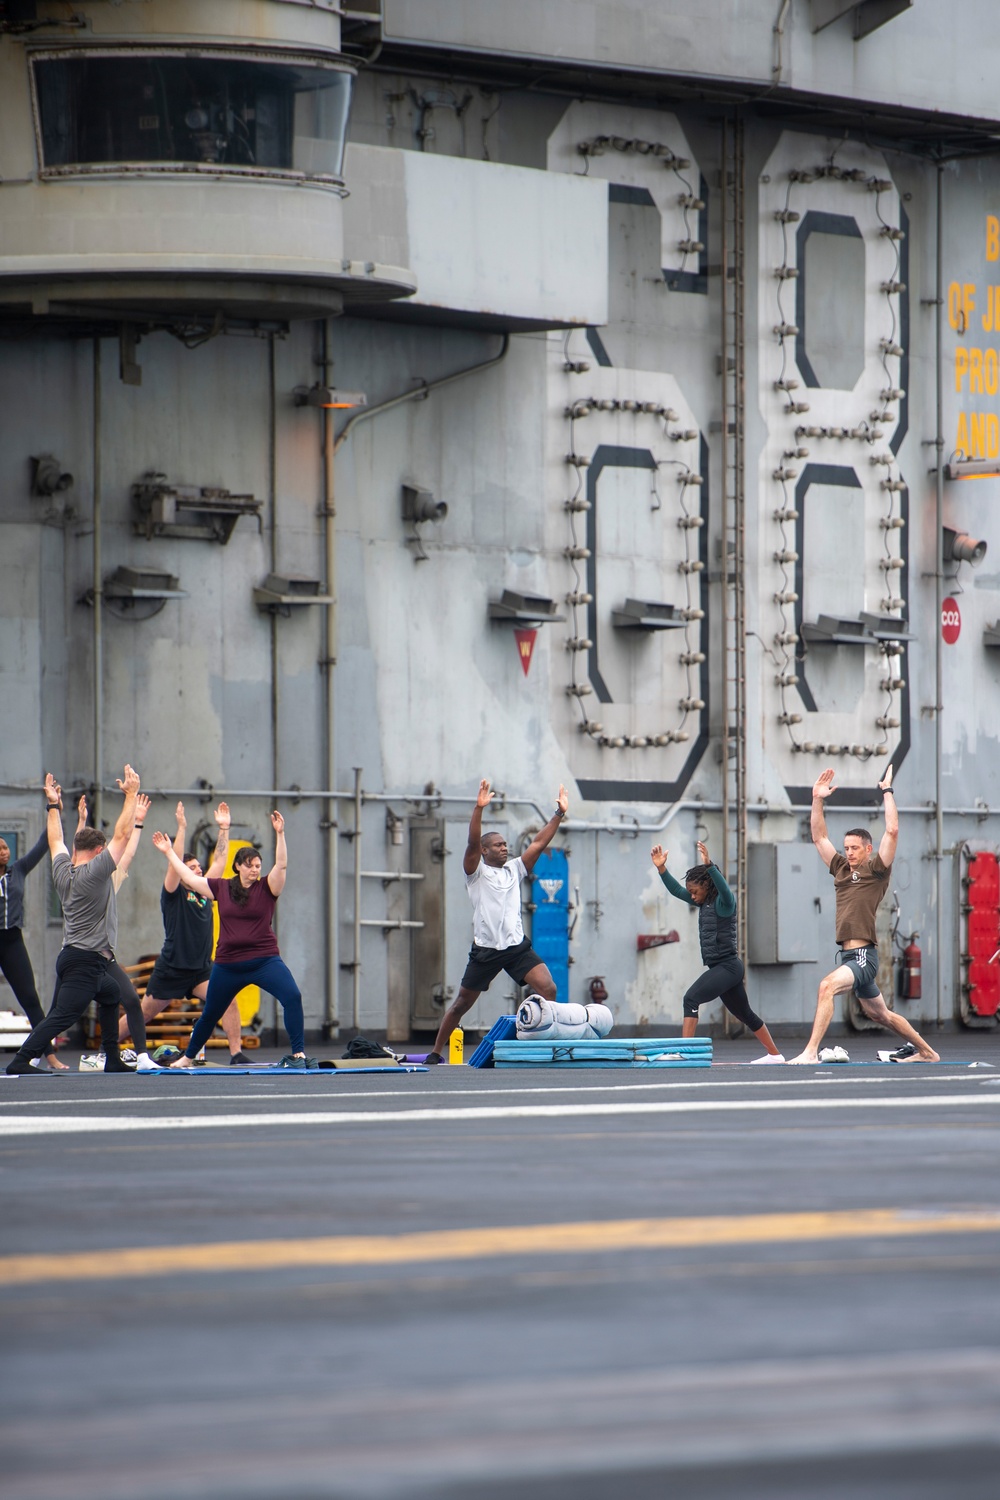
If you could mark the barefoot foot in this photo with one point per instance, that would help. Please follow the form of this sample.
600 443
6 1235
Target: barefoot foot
183 1062
807 1057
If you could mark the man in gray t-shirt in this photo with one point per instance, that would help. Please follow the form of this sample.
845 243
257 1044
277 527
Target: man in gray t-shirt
90 914
84 885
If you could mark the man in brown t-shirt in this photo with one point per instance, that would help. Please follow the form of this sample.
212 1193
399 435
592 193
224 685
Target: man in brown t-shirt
861 879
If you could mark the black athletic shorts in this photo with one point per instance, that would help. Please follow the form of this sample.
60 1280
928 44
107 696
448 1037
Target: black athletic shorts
863 964
485 964
168 983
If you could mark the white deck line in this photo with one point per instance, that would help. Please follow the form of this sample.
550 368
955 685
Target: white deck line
73 1124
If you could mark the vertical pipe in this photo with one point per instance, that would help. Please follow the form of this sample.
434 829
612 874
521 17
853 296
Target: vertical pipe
726 623
939 592
356 966
98 592
328 663
272 506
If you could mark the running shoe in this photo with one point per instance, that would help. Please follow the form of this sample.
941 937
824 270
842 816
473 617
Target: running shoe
834 1055
903 1053
129 1056
299 1064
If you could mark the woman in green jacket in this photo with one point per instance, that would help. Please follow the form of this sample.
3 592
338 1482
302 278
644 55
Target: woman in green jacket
705 887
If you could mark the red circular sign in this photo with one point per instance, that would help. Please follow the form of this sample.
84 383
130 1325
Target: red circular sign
951 621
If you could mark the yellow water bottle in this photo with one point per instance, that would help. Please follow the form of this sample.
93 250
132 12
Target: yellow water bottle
456 1045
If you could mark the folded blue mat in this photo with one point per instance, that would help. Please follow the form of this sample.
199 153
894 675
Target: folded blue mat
609 1052
501 1031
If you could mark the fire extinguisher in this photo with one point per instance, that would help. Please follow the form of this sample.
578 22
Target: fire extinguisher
912 960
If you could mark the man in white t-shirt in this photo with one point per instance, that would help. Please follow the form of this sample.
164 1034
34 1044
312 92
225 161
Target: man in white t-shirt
493 882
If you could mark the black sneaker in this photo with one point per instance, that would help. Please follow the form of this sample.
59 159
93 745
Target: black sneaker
299 1064
433 1058
901 1054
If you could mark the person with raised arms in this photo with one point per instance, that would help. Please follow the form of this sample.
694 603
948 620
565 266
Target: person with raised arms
108 1012
184 965
493 882
861 878
85 968
247 950
15 963
705 887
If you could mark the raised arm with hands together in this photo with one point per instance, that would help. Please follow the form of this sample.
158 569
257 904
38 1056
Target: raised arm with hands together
129 787
53 826
223 818
171 880
276 879
142 805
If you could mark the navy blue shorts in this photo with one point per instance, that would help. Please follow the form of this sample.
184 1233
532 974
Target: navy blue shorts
863 964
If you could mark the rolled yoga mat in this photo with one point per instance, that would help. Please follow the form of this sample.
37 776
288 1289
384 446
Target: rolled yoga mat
552 1020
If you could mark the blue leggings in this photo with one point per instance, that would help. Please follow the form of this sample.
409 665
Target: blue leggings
225 983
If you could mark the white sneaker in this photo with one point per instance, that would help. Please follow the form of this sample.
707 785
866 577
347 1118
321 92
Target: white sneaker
91 1062
834 1055
769 1057
128 1056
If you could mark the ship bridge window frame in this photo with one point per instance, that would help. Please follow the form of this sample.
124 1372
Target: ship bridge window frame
293 143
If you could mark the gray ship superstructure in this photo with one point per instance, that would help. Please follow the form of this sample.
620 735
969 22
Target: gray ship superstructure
604 394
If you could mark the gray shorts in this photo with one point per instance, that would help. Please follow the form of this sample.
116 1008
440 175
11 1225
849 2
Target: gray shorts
863 964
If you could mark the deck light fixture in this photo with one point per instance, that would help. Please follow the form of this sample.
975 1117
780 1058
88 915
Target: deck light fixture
971 468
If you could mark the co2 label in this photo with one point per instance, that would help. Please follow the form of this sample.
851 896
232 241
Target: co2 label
951 621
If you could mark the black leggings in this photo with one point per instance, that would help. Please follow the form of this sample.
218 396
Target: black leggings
723 981
81 976
15 965
131 1005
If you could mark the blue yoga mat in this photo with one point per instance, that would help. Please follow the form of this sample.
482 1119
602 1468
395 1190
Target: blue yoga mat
266 1070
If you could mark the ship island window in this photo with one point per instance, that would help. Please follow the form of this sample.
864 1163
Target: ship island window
212 111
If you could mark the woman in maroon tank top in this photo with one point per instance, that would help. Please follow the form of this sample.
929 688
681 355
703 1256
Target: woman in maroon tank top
247 950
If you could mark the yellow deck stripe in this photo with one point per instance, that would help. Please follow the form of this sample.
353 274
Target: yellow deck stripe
526 1240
